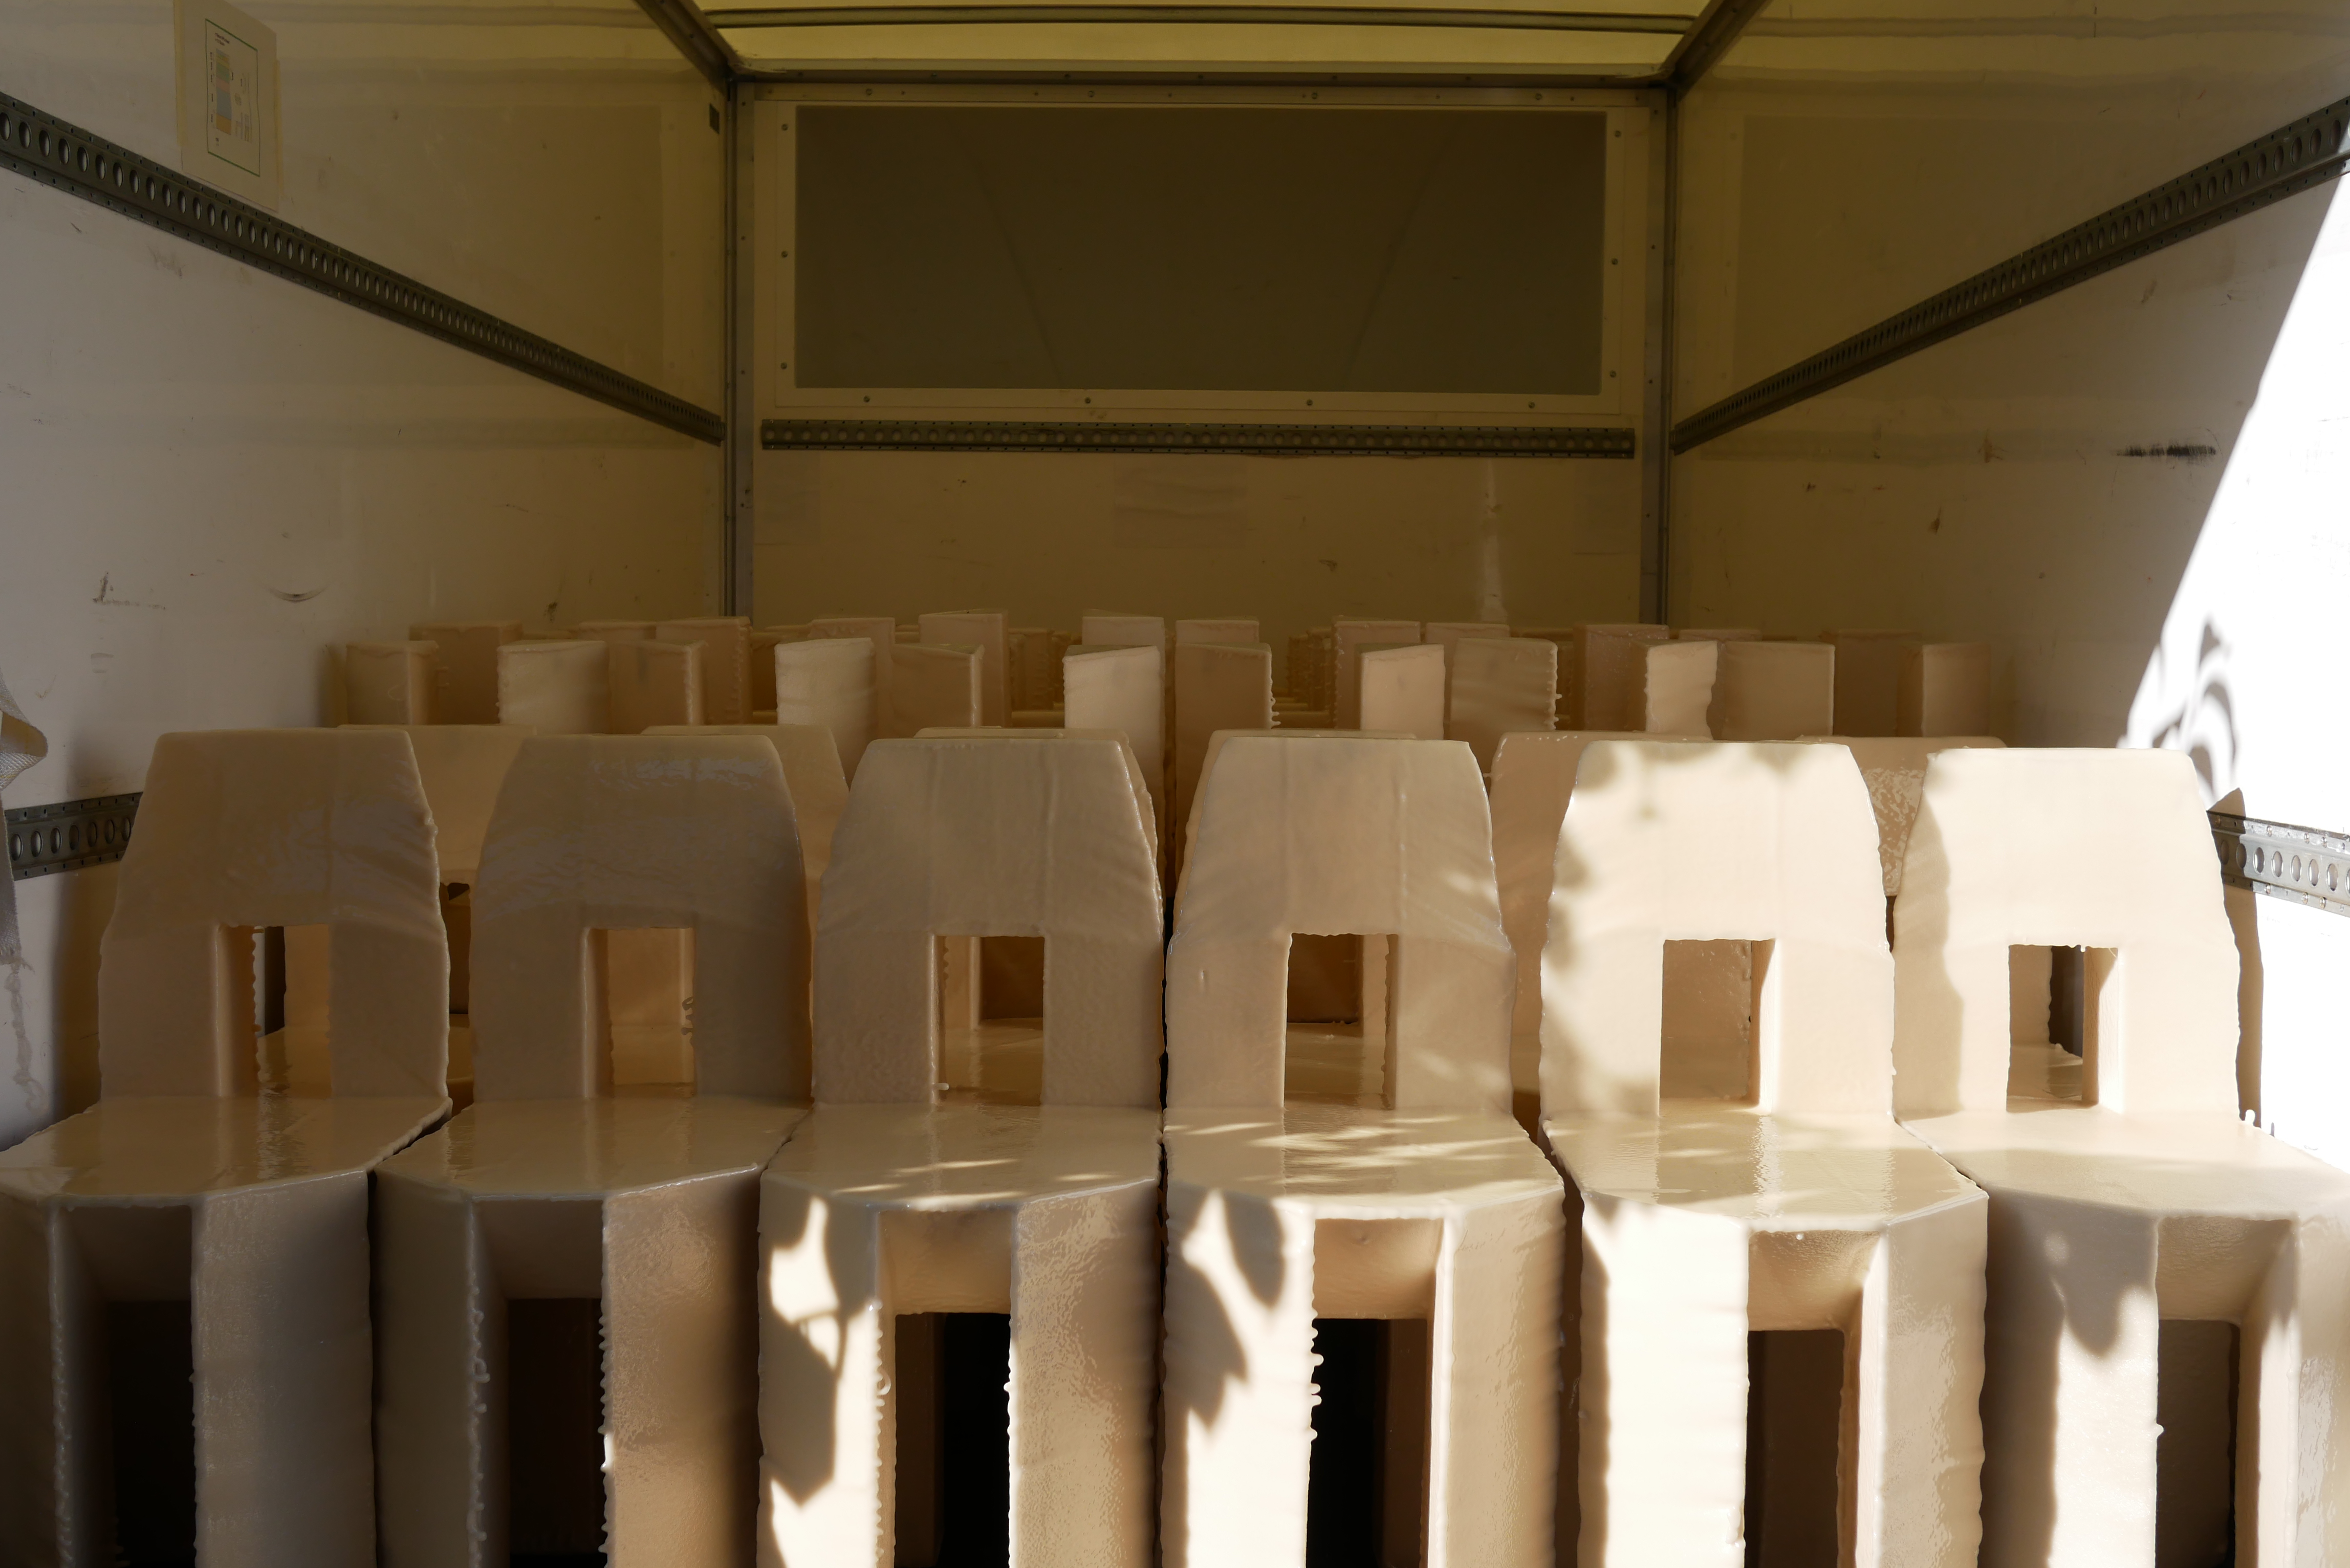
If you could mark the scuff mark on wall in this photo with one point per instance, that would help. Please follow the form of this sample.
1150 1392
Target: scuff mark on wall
105 596
28 1083
21 745
1181 503
2186 451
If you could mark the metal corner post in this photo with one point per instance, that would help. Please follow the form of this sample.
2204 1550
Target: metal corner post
1657 341
742 411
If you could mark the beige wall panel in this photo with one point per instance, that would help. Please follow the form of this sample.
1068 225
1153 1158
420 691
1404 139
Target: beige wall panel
1295 541
554 166
2038 483
1834 173
2116 488
228 478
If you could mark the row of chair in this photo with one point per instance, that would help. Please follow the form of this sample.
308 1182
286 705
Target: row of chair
863 677
1752 1117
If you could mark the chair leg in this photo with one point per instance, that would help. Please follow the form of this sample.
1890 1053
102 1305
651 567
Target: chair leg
1239 1391
2293 1458
1663 1413
2072 1341
823 1348
1494 1427
681 1371
284 1471
440 1437
51 1508
1085 1290
1919 1448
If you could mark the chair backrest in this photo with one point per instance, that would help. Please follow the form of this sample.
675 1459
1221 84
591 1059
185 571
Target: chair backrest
932 685
1676 842
2108 850
811 772
1189 826
1122 688
1894 769
1499 686
1329 836
1136 783
990 835
462 767
609 832
250 828
1534 773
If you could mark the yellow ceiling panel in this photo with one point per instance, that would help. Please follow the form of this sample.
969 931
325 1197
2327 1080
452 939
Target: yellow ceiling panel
1216 45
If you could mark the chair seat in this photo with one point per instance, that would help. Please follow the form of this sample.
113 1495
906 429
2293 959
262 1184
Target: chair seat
1768 1171
254 1213
181 1146
968 1155
1279 1220
2185 1162
583 1148
1705 1225
1344 1159
1041 1213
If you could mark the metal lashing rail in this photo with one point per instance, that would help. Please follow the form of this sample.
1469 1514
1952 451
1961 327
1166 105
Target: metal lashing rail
2308 152
2301 865
1248 440
82 163
69 835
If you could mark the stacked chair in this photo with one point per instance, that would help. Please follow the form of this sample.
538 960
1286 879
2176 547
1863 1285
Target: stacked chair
1608 1144
184 1266
1777 1194
554 1187
903 1196
1533 774
2145 1242
462 767
1429 1211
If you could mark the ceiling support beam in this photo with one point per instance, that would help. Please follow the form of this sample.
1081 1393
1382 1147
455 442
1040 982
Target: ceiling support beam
1717 27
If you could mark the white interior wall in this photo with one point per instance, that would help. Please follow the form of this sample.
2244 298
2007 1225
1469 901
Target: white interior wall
2126 488
551 164
215 476
1293 541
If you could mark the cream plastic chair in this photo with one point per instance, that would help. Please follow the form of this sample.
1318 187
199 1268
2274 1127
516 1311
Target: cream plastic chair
1498 685
1894 769
1790 1201
1429 1208
559 1187
1533 775
987 631
812 772
1218 687
1349 637
188 1217
462 767
2137 1226
901 1196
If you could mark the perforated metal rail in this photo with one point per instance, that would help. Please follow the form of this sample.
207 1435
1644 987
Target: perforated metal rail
2308 152
69 835
58 153
1255 441
2305 865
2302 865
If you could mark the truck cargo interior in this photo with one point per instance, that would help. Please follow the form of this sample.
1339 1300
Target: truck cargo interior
494 491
